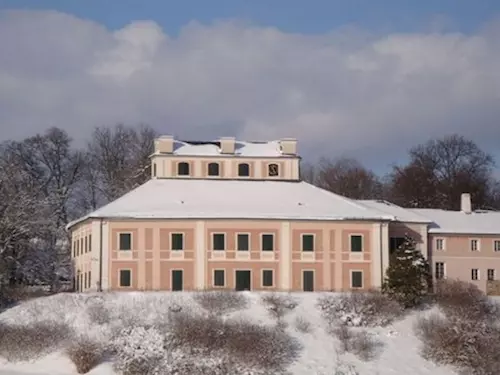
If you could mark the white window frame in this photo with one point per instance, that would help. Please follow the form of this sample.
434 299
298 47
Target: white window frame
249 241
262 278
262 242
213 240
120 279
443 242
213 278
131 241
183 241
477 242
434 271
496 245
302 242
362 243
488 274
478 274
362 279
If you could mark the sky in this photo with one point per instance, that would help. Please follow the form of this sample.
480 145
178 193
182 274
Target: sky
359 78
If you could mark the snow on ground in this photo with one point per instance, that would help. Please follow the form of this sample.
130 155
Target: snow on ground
319 356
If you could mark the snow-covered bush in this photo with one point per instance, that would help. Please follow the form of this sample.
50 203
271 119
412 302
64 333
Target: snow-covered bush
303 325
32 341
139 350
85 354
279 304
357 342
359 309
97 311
219 302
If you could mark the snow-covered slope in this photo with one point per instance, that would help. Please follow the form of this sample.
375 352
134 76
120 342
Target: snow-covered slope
319 355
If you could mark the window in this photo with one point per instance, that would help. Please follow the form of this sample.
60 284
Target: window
267 278
496 245
243 170
243 242
125 241
154 169
177 241
308 242
273 170
308 281
90 279
395 243
356 279
475 274
213 169
86 244
219 241
125 278
90 243
356 243
439 271
439 244
77 248
84 280
183 169
81 246
219 278
177 280
74 248
268 242
474 245
491 274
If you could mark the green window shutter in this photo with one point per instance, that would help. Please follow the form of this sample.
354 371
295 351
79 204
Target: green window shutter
125 241
356 243
125 278
267 278
219 278
267 242
243 242
177 241
219 240
307 242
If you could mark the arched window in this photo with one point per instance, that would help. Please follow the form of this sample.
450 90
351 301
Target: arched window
273 170
183 169
213 169
243 170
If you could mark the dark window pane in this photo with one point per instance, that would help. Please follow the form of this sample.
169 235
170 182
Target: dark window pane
219 241
177 241
125 278
90 279
219 278
125 241
177 280
267 278
268 242
243 170
395 243
356 243
307 242
90 243
308 281
273 170
183 169
357 279
243 242
213 169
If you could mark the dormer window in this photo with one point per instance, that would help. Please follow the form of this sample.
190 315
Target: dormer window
273 170
183 169
243 170
213 169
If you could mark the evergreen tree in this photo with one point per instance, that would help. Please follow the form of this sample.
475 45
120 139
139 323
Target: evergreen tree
408 277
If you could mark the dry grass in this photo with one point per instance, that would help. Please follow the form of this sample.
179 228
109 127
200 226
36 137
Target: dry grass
219 302
85 354
31 341
357 342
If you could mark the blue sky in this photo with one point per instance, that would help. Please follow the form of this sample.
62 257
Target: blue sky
311 16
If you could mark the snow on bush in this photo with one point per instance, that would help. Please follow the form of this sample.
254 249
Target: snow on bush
303 325
358 342
85 354
359 309
221 301
279 305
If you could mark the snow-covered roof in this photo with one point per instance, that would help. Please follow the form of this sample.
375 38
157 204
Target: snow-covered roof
242 148
447 222
400 213
233 199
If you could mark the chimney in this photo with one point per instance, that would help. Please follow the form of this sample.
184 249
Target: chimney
465 203
227 145
288 146
164 144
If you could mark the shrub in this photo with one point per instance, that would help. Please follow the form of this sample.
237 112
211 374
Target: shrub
98 313
31 341
279 305
303 325
459 299
469 345
220 301
85 354
358 342
359 309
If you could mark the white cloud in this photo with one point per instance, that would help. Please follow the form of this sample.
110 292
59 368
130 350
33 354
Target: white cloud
344 92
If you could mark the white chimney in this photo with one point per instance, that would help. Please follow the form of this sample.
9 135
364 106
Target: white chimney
164 144
288 146
227 145
465 203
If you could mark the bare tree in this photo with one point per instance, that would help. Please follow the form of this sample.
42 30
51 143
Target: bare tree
441 170
348 177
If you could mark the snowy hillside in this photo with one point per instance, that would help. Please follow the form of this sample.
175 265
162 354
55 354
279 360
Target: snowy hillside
319 354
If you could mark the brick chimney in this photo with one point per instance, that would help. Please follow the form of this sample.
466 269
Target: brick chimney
164 144
288 146
227 145
465 203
